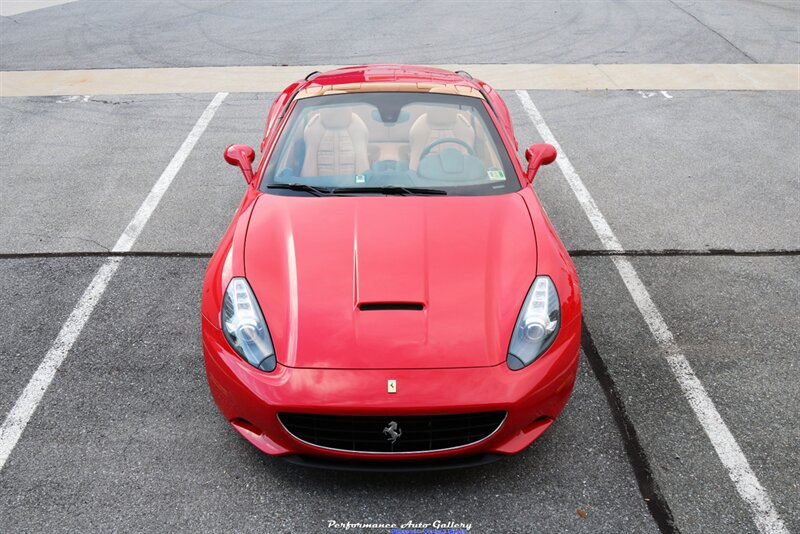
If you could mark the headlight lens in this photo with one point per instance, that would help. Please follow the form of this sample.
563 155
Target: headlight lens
244 326
537 324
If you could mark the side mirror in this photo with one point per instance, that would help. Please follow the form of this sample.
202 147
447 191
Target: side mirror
538 155
243 157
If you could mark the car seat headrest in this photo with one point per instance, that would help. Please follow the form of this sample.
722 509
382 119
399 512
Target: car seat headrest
336 118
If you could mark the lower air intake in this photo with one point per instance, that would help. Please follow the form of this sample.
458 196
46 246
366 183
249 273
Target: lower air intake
392 434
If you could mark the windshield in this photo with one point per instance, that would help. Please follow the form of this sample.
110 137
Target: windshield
390 143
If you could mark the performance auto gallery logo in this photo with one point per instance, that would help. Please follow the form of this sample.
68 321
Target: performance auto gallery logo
409 527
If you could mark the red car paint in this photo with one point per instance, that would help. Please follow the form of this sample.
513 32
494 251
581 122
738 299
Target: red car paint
467 260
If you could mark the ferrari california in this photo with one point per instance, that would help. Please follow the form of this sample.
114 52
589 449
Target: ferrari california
390 292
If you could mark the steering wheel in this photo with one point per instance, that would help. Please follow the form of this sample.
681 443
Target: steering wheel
443 140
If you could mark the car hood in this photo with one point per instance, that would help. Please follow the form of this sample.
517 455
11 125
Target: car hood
384 282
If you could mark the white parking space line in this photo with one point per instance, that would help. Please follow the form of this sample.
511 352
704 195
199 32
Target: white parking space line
135 227
750 489
22 411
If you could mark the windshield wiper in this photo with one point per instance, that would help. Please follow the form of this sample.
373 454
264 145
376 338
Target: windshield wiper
389 190
316 191
385 190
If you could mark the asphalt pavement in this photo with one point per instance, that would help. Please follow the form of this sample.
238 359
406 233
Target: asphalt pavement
108 34
702 189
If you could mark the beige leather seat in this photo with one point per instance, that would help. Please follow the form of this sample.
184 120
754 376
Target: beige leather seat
436 124
336 144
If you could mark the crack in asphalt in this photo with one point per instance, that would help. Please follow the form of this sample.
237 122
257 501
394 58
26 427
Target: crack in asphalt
715 32
105 251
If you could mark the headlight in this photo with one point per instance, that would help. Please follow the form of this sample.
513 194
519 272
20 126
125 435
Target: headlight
537 324
244 326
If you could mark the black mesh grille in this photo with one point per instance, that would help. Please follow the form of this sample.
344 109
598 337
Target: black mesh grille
417 433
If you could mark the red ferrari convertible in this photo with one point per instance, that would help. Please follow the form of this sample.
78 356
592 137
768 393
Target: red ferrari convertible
390 293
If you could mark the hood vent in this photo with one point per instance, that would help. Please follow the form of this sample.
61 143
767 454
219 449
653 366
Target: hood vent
379 306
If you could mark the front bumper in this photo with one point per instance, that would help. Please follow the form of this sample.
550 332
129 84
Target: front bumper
532 397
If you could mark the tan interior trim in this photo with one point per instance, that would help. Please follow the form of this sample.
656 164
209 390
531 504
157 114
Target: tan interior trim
403 87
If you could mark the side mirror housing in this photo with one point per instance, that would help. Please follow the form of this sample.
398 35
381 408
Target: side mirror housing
538 155
243 157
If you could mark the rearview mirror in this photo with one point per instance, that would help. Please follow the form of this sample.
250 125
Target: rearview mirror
243 157
538 155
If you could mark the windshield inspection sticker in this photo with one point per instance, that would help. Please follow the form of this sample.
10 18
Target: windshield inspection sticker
496 175
360 178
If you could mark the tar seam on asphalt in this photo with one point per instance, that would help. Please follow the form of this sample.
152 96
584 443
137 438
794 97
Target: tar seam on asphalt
576 253
685 252
110 254
637 456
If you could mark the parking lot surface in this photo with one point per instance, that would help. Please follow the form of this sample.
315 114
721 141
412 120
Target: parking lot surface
700 188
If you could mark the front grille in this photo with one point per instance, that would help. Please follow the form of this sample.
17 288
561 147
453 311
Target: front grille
372 434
